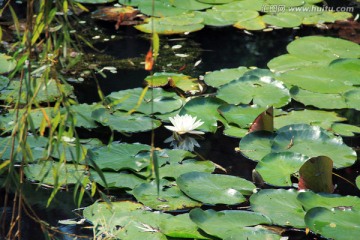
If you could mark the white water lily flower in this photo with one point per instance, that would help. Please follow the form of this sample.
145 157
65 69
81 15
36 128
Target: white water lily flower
184 124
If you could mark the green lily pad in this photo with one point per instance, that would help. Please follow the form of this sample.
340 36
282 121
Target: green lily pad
320 100
263 91
190 4
117 179
241 5
323 49
181 81
214 18
35 149
223 76
276 168
313 141
4 81
292 3
82 114
222 17
125 220
163 102
180 226
357 181
312 117
352 98
286 20
169 198
335 223
214 188
280 205
310 200
124 122
251 24
162 8
117 156
344 129
174 170
256 145
70 151
321 79
172 25
48 91
224 224
242 116
7 64
205 109
215 1
55 173
286 62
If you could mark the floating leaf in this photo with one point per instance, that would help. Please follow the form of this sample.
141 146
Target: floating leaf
316 175
7 64
162 101
313 141
335 224
241 5
321 79
323 49
228 223
169 198
310 200
277 168
180 226
264 122
215 1
117 179
48 91
181 81
288 62
82 114
256 145
286 20
223 76
251 24
312 117
242 116
292 3
204 109
172 25
124 122
214 188
280 205
263 91
357 181
175 169
190 4
55 173
117 156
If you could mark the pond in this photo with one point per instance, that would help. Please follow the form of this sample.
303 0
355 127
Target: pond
210 191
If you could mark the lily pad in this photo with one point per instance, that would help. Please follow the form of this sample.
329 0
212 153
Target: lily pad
286 62
242 116
214 188
223 76
310 200
82 114
293 3
344 129
174 170
180 226
276 168
204 109
263 91
256 145
162 101
162 8
181 81
286 20
320 118
55 173
225 224
7 64
357 181
280 205
321 79
241 5
336 223
323 49
313 141
169 198
190 4
124 122
48 91
117 179
125 220
251 24
117 156
172 25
